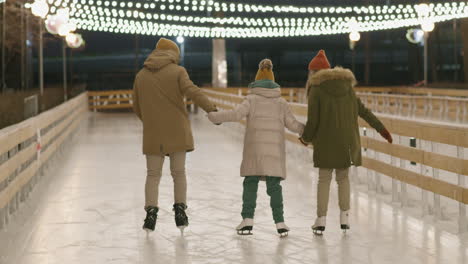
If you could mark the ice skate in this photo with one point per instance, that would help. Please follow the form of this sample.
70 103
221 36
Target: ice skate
319 225
283 229
245 227
181 218
151 217
344 222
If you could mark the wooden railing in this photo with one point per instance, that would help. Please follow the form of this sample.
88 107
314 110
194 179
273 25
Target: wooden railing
448 109
434 163
414 91
407 104
26 147
113 99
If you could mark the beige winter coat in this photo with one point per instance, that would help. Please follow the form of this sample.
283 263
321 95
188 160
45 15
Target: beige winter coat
158 101
264 142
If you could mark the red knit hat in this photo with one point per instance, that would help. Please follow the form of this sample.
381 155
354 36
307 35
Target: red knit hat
320 62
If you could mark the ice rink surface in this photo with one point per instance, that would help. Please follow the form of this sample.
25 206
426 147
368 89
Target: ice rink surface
89 209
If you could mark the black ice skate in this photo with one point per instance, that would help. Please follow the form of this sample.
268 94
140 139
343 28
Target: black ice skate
283 229
344 222
319 225
150 220
181 218
245 227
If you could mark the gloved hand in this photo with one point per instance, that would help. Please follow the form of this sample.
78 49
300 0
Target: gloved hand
303 142
385 134
210 117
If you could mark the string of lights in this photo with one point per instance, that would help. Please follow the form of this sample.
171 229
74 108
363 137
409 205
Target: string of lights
153 28
168 17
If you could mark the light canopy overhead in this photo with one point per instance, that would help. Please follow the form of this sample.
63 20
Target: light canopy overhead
222 19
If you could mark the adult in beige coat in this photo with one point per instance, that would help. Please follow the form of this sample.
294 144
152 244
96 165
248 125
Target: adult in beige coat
158 100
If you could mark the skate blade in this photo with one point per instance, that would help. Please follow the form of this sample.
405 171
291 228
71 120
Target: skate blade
244 232
182 228
148 231
318 230
284 234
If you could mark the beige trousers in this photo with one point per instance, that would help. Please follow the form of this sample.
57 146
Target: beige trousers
323 190
154 164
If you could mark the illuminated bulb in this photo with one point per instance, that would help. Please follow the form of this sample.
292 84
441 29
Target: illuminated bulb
180 39
423 9
354 36
427 26
40 8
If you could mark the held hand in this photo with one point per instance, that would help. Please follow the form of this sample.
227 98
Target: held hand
385 134
303 142
210 117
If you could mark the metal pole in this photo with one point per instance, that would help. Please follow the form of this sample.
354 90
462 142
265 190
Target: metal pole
41 65
23 49
3 84
64 64
137 53
455 53
426 37
41 59
182 54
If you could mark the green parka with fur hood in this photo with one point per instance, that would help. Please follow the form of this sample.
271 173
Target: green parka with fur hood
332 123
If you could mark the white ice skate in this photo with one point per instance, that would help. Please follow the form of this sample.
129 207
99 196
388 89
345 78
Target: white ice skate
319 225
344 221
283 229
245 227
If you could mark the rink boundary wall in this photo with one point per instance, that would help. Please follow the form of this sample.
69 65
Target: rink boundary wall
450 134
27 147
431 106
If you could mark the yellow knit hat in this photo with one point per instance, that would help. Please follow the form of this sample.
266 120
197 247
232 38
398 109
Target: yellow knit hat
167 44
265 70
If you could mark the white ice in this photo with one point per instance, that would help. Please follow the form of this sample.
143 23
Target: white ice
89 209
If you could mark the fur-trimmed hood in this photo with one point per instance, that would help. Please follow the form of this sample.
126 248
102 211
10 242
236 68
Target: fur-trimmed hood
337 73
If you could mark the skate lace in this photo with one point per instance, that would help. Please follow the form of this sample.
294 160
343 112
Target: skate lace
179 211
151 216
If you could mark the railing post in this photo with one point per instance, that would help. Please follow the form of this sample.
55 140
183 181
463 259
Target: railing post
458 113
404 193
376 174
400 106
395 198
465 111
446 110
462 221
291 94
370 178
435 175
422 171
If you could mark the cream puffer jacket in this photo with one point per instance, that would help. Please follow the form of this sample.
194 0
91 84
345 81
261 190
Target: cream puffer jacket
264 142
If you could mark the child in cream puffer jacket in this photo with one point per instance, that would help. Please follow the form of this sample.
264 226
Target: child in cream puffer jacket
264 156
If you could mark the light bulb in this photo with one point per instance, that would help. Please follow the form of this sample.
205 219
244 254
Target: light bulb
354 36
40 8
427 25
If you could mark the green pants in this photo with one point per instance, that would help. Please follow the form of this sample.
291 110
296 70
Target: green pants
249 197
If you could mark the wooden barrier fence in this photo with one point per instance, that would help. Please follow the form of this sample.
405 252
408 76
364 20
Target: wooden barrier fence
26 147
429 136
443 108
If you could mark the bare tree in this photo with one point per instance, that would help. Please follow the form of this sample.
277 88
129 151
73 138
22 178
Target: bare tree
16 30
